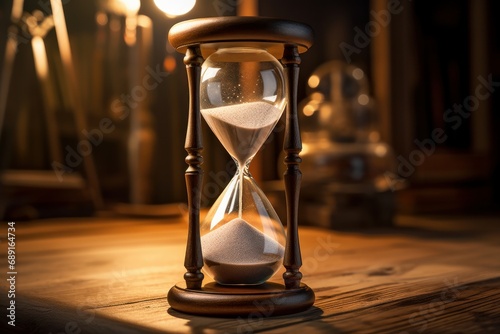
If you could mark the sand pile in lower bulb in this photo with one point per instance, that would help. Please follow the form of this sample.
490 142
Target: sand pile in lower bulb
237 242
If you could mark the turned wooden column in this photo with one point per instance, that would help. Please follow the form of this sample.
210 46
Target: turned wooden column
292 177
193 261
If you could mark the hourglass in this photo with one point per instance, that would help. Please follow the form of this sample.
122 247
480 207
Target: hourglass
241 89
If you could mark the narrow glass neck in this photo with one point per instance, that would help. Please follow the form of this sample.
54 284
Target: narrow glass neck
243 168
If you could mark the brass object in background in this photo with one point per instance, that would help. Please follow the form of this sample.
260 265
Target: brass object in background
347 169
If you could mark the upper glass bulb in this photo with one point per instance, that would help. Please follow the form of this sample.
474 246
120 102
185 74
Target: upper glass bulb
242 98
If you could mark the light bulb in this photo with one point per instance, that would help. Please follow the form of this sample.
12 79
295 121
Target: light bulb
131 6
174 8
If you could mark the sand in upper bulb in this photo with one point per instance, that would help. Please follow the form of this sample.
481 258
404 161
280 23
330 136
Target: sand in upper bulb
242 128
238 253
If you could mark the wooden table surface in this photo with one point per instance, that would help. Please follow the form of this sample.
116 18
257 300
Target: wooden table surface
111 275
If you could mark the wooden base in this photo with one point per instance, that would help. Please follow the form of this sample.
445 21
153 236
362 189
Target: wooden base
268 299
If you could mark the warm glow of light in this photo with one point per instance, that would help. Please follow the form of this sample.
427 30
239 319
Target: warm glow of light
17 10
317 97
174 8
144 21
131 6
305 148
358 74
313 81
380 151
101 19
363 99
130 30
325 113
40 55
169 63
309 110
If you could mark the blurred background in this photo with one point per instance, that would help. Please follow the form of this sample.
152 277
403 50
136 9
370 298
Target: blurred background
398 102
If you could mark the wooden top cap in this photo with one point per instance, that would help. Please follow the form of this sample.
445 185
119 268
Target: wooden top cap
215 32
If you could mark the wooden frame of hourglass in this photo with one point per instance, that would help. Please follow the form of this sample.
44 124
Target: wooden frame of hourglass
285 40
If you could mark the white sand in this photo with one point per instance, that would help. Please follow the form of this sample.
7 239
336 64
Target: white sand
252 115
238 242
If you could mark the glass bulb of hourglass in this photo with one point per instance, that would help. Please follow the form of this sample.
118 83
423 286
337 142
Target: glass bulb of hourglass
242 97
